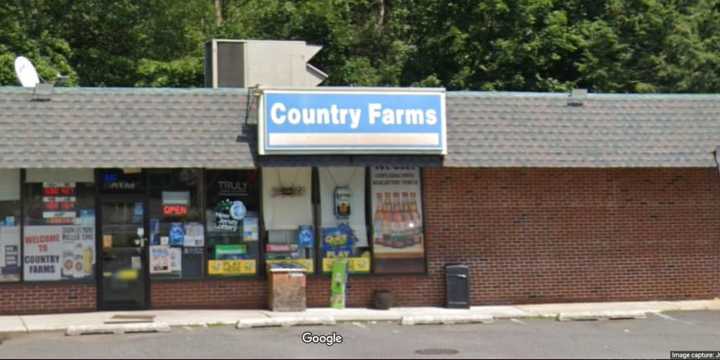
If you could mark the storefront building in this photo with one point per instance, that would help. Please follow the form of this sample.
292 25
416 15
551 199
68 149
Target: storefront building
180 198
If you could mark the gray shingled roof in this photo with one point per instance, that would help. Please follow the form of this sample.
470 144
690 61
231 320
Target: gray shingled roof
111 127
505 129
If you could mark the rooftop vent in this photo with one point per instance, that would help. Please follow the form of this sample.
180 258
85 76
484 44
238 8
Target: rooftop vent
271 63
43 92
576 97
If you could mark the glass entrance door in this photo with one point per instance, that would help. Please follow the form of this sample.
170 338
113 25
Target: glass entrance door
124 281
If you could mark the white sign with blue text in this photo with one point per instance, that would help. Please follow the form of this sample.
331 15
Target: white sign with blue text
352 121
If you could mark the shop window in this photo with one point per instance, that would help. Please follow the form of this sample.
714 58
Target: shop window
231 215
288 216
9 225
343 230
397 220
176 229
59 225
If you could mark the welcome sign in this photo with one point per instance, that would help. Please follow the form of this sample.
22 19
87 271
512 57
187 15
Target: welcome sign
352 121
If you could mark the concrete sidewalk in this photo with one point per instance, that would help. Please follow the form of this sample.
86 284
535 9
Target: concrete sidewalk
405 315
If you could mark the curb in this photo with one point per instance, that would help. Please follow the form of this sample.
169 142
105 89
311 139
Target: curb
116 329
285 321
605 315
445 319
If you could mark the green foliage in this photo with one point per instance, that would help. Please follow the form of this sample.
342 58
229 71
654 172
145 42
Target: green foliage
531 45
25 31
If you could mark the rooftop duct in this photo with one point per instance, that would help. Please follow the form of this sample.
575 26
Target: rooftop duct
270 63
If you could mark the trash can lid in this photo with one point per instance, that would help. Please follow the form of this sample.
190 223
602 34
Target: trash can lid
456 265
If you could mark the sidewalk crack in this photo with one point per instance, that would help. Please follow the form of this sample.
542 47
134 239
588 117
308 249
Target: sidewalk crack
22 320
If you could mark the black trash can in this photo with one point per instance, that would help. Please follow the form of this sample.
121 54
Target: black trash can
457 286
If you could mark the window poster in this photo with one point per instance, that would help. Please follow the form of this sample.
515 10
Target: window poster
250 227
232 267
9 253
398 242
58 252
78 251
229 215
232 196
177 234
194 235
59 201
160 262
42 252
175 259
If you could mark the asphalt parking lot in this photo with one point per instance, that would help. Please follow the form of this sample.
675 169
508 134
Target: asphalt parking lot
653 337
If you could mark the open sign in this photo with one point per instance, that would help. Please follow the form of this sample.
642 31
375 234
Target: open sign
175 210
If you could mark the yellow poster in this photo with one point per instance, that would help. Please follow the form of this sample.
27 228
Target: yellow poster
231 267
356 265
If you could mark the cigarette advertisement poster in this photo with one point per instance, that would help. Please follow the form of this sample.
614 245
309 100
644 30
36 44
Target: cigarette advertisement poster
231 267
398 240
58 252
9 253
59 203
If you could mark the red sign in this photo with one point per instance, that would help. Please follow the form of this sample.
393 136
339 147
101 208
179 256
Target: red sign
175 210
58 190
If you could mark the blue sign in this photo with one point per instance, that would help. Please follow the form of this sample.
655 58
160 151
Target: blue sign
355 121
305 236
238 210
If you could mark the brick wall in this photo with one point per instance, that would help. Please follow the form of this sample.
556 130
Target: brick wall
46 298
545 235
538 235
529 235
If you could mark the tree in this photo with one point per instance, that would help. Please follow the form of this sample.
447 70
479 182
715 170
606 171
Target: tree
25 31
529 45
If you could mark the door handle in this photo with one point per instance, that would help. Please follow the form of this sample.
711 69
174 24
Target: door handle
462 276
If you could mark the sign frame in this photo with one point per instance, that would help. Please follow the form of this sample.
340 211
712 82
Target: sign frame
264 149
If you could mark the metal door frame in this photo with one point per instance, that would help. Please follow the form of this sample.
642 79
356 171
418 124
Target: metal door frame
99 198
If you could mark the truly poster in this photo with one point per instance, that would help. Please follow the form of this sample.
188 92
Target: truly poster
42 253
9 253
398 240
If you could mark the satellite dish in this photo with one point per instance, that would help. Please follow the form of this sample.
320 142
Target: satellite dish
25 72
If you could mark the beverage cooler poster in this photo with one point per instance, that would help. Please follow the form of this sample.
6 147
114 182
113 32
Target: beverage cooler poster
58 252
398 242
